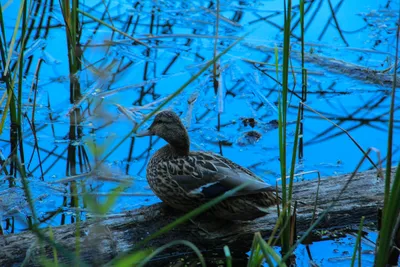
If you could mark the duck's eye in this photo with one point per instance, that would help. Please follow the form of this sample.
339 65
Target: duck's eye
159 121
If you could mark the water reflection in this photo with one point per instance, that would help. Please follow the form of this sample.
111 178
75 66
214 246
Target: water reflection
349 61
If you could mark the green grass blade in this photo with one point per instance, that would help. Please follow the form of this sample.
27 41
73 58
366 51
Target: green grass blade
268 251
285 238
3 40
164 247
103 208
358 240
189 215
38 232
55 256
134 259
112 27
391 207
254 252
325 212
14 36
391 121
293 162
228 256
390 212
196 212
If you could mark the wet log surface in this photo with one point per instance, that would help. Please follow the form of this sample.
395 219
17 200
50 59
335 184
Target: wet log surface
103 239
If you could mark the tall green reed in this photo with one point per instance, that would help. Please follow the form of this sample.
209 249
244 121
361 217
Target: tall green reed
13 75
391 209
73 34
303 80
286 237
357 245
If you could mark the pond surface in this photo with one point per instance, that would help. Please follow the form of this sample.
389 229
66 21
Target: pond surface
349 59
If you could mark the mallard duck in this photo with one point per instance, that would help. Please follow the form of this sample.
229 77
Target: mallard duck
185 179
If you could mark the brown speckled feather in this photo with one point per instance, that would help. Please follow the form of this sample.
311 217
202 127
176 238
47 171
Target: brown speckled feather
185 180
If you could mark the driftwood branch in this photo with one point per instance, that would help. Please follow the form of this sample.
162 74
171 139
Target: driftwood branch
103 239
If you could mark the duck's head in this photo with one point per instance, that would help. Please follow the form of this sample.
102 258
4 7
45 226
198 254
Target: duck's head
169 127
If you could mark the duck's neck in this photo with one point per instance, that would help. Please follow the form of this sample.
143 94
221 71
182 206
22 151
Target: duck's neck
180 143
179 151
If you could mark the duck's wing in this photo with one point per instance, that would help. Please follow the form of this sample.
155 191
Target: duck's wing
212 175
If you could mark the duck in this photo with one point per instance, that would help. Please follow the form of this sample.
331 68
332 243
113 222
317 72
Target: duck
185 179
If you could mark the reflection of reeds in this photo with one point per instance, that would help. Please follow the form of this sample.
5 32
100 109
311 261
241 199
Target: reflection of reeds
73 36
14 70
304 72
13 75
172 96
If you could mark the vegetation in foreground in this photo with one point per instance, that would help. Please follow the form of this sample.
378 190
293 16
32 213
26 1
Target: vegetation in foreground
261 251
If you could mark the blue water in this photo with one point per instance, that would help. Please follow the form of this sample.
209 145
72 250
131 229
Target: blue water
368 28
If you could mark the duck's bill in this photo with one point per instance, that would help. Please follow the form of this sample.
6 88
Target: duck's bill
144 133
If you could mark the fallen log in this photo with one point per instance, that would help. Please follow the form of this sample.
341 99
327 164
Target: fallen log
101 240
